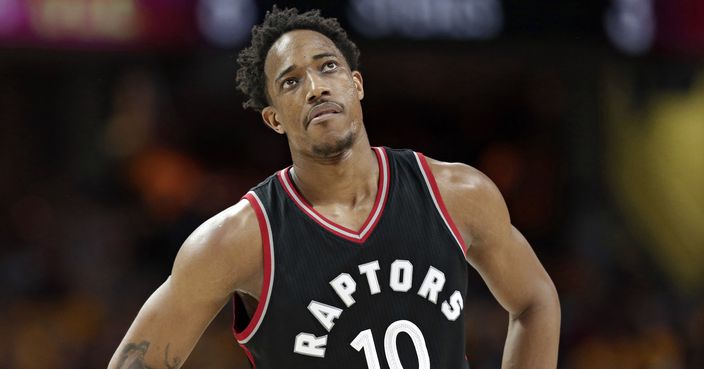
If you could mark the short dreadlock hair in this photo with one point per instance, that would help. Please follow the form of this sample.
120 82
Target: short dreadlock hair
251 79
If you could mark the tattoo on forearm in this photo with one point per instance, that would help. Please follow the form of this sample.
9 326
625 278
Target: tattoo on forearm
176 363
132 357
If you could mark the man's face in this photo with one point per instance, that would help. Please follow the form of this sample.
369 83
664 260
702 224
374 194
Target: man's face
315 97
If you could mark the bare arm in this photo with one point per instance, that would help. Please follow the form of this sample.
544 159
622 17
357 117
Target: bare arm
221 256
507 263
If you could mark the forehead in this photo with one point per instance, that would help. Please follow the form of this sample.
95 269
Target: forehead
295 48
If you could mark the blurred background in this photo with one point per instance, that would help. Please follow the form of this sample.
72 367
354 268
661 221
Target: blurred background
121 130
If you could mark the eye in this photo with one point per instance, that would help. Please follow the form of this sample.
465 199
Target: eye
289 82
329 66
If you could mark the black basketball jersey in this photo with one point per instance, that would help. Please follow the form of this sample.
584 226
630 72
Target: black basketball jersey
390 295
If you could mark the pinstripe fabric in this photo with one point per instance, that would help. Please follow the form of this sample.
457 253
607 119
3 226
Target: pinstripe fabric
329 284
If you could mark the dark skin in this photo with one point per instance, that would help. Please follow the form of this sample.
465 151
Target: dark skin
336 171
305 69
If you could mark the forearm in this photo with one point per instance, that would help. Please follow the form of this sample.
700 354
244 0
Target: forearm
533 337
153 340
135 355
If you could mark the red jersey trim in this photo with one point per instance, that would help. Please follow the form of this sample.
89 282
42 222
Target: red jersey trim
268 251
346 233
249 356
437 200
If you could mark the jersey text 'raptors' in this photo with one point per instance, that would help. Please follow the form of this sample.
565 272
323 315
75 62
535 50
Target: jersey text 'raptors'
389 295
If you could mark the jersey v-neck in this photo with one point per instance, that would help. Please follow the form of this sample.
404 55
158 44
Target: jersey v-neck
369 224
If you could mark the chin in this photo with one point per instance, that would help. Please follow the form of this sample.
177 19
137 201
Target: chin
335 146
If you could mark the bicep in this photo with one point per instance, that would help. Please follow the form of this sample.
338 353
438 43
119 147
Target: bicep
511 270
498 251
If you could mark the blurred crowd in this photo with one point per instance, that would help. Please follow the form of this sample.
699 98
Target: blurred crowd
108 163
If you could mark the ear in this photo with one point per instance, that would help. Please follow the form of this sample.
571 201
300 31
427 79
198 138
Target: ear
358 84
269 117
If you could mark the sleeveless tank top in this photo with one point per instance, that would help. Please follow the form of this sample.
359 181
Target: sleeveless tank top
389 295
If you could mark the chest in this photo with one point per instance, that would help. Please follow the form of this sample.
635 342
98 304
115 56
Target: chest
406 252
345 216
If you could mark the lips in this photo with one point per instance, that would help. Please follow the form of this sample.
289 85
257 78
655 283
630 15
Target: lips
327 107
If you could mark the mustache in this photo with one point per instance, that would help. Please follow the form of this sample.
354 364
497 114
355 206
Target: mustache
323 105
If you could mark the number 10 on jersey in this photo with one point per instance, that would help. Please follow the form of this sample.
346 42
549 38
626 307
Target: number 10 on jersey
365 341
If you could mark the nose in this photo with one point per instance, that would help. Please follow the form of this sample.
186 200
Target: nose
318 87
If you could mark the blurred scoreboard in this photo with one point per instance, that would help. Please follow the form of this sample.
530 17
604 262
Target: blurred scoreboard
632 26
125 23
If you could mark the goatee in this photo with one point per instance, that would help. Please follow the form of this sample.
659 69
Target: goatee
335 149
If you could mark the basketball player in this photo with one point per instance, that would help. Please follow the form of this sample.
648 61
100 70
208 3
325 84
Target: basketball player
353 257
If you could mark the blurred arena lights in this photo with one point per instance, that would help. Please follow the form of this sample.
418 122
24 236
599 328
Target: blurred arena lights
630 25
81 21
10 15
225 23
100 25
420 19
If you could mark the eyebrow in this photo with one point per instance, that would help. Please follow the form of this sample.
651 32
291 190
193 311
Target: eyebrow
284 72
315 57
324 55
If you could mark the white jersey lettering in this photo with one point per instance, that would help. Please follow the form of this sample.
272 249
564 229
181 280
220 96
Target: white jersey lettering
401 275
325 314
432 284
453 309
370 269
344 286
309 344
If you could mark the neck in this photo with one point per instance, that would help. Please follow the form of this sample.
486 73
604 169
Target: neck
346 179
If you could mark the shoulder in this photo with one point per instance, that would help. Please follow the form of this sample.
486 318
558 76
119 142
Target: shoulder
472 199
230 227
225 249
459 177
